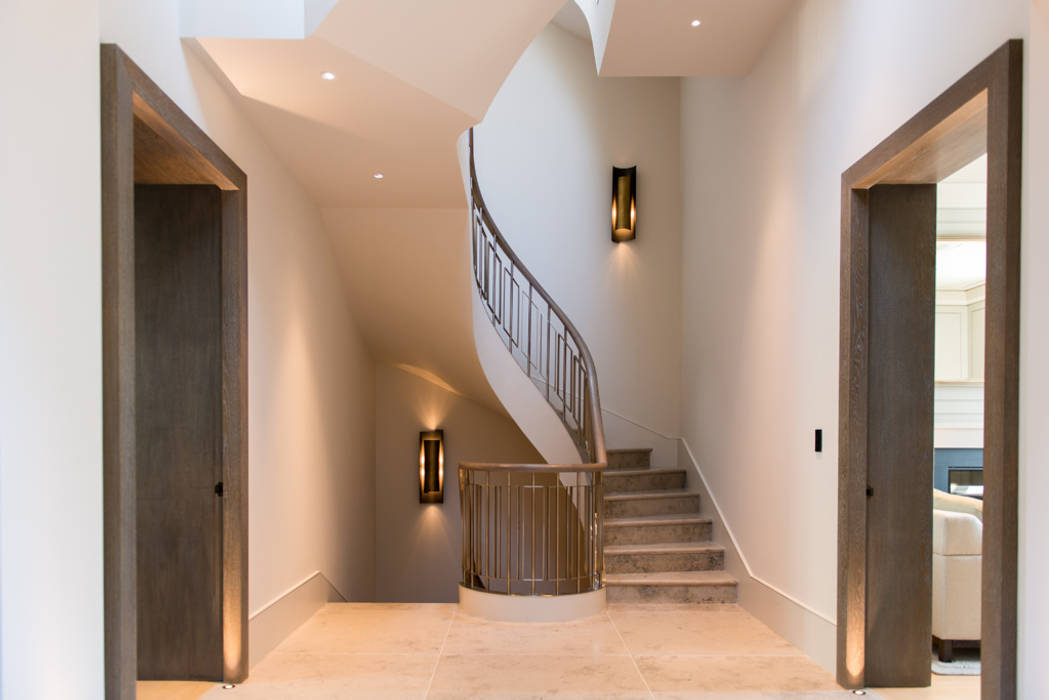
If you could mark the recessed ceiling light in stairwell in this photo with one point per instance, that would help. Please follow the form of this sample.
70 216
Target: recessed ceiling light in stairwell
378 176
696 23
327 75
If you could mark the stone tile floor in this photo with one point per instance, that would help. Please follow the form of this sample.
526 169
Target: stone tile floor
391 651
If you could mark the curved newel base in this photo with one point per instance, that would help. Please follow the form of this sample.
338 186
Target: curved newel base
524 608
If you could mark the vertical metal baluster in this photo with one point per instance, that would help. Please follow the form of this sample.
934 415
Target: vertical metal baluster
509 534
548 354
529 330
546 534
557 536
532 515
520 532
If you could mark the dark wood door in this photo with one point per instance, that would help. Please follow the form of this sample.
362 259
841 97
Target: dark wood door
900 438
178 430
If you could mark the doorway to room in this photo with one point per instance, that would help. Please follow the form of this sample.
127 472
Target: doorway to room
887 388
174 382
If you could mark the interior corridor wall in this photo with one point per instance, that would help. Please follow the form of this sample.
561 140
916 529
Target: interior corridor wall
310 374
763 158
545 152
50 352
419 546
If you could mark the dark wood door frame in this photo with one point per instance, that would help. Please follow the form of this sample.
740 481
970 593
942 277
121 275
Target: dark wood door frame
980 113
147 139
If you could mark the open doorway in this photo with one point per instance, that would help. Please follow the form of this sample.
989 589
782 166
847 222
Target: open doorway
960 323
887 394
174 382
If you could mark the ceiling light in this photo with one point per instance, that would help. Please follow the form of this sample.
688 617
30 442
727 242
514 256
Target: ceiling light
378 176
859 692
228 686
696 23
327 75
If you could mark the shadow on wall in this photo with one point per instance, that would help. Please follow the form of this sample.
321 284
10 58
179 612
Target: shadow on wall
418 546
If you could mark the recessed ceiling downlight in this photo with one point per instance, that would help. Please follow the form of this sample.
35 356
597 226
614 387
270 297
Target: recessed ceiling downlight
378 176
327 75
695 23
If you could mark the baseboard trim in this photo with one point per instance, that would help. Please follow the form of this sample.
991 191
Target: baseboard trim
273 622
810 630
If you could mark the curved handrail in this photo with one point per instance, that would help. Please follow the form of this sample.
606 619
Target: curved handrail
588 433
553 468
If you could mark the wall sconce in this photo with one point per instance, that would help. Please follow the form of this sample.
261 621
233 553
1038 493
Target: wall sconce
431 466
624 204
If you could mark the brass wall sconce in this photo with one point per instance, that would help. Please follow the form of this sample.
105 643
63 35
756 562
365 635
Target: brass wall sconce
624 204
431 466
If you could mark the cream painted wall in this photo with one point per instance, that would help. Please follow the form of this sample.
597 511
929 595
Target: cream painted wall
310 381
544 156
763 158
51 635
1034 372
418 546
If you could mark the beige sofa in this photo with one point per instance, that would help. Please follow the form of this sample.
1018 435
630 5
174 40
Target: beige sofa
957 542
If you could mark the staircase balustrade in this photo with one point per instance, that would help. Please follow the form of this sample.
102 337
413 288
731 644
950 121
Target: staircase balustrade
534 529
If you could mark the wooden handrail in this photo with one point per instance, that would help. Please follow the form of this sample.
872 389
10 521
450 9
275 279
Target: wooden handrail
551 468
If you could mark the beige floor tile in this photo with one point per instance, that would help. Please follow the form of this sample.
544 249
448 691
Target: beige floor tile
374 628
942 688
721 674
591 637
171 690
291 676
536 676
695 629
759 695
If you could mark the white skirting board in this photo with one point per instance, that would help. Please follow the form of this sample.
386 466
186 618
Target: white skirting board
274 622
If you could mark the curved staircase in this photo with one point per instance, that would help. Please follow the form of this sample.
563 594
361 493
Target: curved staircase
657 545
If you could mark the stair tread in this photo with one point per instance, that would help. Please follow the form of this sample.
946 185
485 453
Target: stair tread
672 578
644 471
664 548
662 519
641 495
627 450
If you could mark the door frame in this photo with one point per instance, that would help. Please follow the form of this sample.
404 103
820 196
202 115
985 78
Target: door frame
982 112
180 153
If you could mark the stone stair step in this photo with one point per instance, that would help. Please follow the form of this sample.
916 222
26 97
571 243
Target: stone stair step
638 503
671 587
644 480
630 458
657 528
664 557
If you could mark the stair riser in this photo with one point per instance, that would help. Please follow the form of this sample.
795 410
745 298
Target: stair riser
644 482
670 594
652 534
629 460
653 562
652 506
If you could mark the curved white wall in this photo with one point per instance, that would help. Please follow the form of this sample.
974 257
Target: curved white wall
544 156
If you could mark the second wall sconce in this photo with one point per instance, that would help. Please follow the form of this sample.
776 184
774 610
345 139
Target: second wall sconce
624 204
431 466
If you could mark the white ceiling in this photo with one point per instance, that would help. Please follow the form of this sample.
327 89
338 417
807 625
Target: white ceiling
961 202
961 224
411 77
960 265
655 37
571 19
